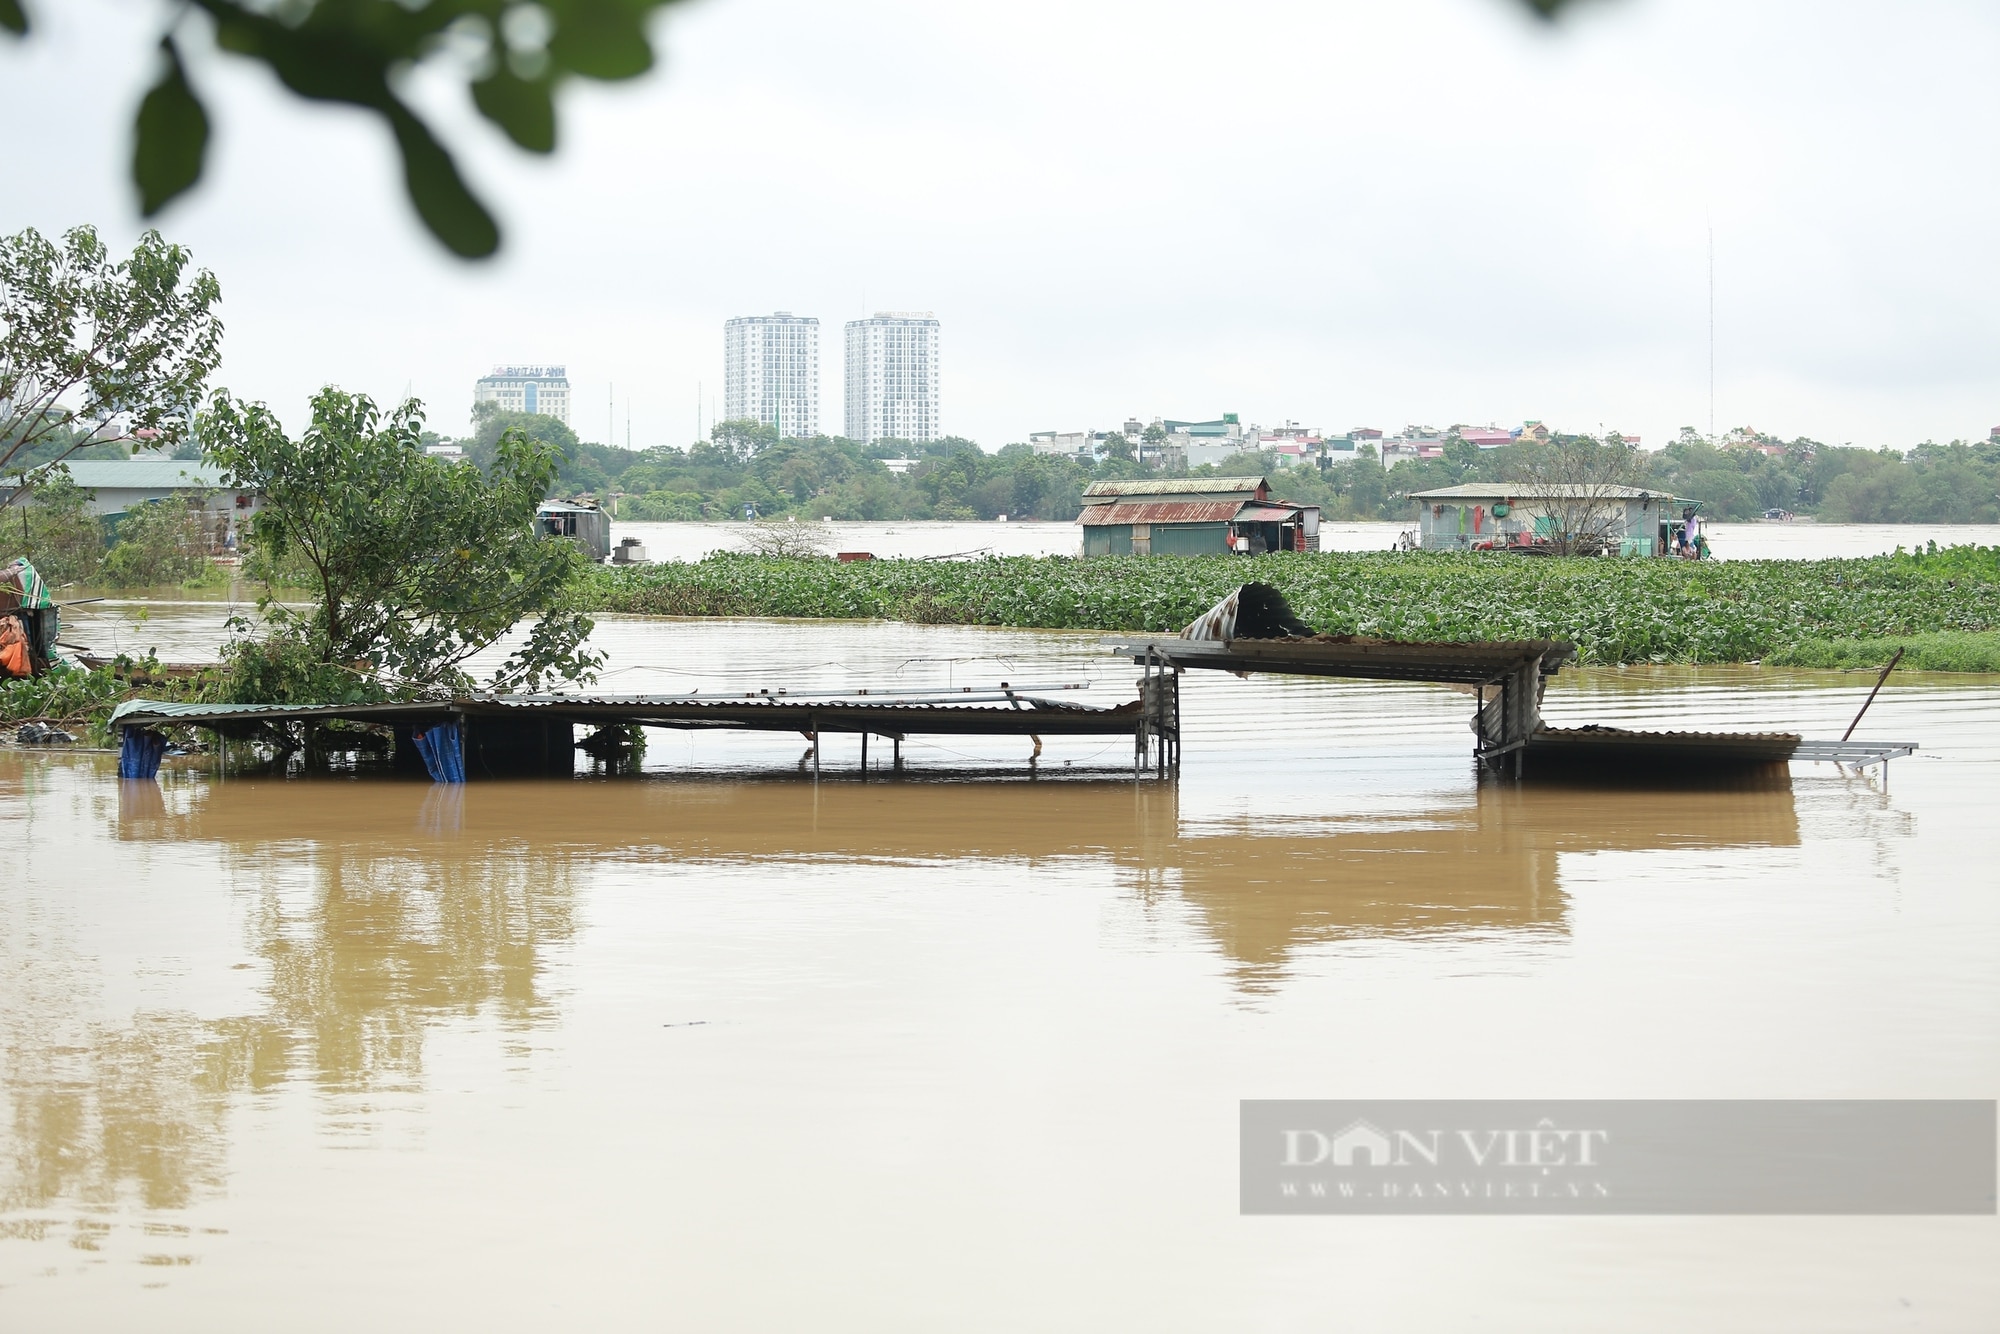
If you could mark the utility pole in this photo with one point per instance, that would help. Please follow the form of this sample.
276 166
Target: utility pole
610 414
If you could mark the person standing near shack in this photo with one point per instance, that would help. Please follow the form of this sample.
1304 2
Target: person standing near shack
1690 534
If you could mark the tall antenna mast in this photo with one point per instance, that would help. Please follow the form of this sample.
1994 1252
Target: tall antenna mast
610 414
1711 332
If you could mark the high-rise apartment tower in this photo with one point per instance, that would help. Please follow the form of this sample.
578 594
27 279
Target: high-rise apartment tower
892 377
770 371
540 389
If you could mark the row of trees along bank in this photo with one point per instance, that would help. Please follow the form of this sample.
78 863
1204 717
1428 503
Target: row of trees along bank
746 464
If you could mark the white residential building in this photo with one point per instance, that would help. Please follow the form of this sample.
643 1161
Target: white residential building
539 389
892 377
770 371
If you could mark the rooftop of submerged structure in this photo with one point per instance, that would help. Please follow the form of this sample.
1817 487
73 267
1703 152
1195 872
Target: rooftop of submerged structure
970 710
1355 656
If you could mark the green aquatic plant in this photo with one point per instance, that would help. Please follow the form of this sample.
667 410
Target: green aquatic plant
1944 652
79 697
1615 611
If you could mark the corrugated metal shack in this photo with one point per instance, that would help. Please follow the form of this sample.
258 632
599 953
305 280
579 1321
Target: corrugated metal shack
586 525
1193 516
1487 516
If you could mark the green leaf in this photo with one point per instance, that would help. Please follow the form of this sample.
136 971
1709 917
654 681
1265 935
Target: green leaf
171 136
602 39
520 107
447 207
13 18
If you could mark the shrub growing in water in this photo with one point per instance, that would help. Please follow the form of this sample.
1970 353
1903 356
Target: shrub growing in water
160 542
60 534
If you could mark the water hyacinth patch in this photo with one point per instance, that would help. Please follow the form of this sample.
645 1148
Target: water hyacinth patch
1615 611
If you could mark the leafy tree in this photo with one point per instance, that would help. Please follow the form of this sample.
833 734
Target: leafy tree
743 436
1117 446
416 563
60 534
580 465
94 351
161 542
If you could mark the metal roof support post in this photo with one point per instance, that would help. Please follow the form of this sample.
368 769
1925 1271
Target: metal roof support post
1479 728
1156 680
1139 726
864 755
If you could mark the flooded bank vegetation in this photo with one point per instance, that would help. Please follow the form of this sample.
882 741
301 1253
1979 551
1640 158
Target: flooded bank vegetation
413 564
1616 611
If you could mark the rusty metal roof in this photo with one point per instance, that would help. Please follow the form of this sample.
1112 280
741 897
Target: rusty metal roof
1163 511
1271 511
1173 486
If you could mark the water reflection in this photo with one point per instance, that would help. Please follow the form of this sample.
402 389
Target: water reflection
457 898
373 920
375 911
365 943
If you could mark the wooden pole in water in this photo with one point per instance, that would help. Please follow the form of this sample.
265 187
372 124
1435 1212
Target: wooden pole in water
1871 695
864 754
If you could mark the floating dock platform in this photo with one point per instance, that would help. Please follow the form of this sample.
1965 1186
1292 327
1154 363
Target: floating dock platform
496 735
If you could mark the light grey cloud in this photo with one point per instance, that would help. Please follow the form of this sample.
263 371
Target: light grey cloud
1426 211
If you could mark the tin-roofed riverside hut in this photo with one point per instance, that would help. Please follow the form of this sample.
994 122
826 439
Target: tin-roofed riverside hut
586 525
1487 516
1193 516
116 487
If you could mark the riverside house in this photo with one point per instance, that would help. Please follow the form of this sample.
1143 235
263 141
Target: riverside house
1486 516
1193 516
118 486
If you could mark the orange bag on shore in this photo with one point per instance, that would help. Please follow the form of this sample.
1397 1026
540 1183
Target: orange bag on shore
14 658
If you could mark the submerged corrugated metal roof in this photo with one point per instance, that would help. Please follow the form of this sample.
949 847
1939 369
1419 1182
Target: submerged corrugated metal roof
980 703
1171 486
1468 662
1164 511
146 474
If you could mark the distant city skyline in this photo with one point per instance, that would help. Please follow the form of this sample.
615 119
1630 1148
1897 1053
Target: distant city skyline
542 389
890 375
892 378
770 371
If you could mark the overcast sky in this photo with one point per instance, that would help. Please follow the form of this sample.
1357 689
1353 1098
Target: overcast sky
1376 213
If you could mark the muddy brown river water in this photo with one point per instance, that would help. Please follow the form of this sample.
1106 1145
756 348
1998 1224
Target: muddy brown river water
719 1048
